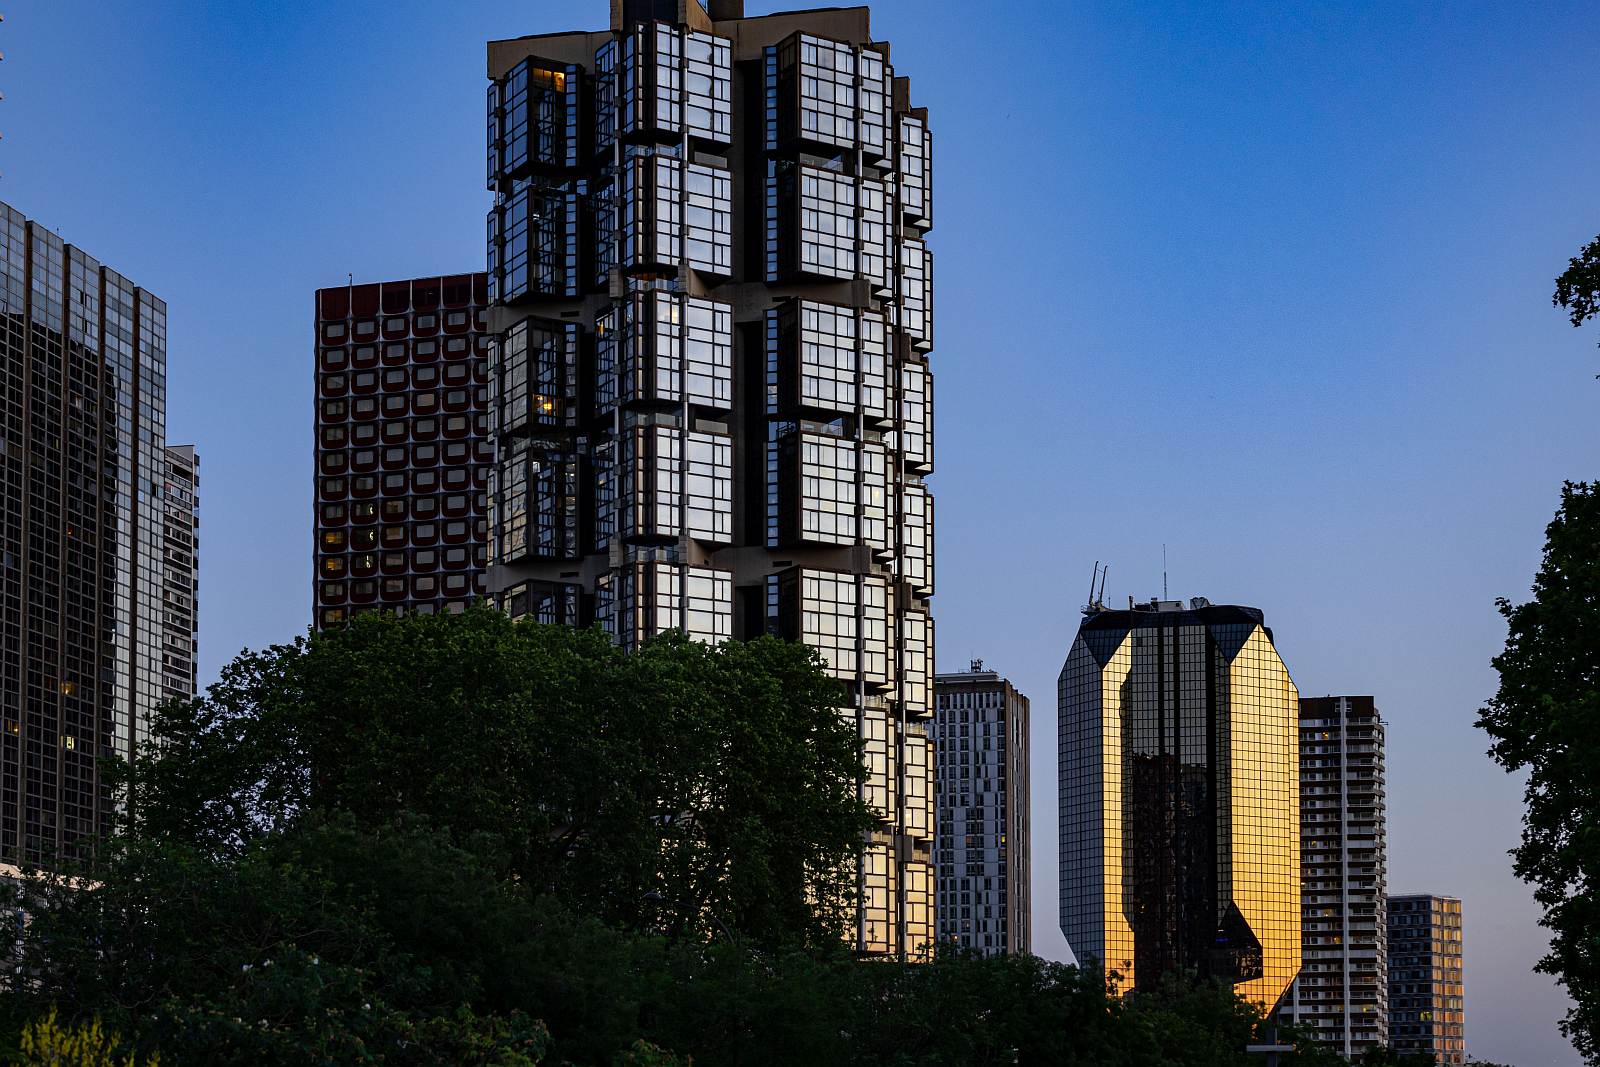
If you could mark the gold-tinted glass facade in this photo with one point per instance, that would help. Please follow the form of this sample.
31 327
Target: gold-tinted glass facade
1179 797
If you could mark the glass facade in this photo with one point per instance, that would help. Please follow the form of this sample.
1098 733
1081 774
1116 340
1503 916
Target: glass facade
1427 1002
403 452
1179 797
714 410
97 550
984 899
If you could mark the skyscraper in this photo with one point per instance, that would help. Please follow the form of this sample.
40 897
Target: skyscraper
1427 1006
84 536
1179 794
713 299
1341 997
982 897
402 448
180 587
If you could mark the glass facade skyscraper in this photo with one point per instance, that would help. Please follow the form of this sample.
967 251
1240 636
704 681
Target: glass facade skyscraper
402 449
712 296
1179 797
1341 998
1427 1002
983 898
95 628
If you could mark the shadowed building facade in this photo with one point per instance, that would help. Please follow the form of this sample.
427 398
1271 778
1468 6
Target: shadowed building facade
1427 1005
402 447
97 557
1179 797
712 296
983 873
1341 998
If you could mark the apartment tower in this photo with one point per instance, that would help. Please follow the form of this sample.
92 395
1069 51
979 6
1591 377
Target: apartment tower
980 781
1427 1007
713 302
1179 797
402 446
1341 998
180 580
88 560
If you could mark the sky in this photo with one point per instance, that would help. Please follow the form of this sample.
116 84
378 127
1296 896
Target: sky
1268 284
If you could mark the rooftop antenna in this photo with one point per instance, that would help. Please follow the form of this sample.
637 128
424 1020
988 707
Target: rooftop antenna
1163 572
1100 598
1092 579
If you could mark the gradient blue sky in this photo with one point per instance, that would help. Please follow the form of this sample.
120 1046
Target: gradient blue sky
1267 283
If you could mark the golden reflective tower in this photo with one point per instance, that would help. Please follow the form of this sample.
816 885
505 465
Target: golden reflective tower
1179 797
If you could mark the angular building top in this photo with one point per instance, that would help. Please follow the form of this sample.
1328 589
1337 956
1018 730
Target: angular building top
1179 796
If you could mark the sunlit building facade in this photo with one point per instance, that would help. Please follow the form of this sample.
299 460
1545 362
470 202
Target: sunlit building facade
1427 1002
84 538
1341 998
713 302
982 897
1179 797
403 454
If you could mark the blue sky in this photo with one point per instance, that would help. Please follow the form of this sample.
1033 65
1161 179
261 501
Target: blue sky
1266 283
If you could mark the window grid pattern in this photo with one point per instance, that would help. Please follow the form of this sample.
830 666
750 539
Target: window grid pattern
533 244
914 166
533 120
664 82
96 538
1340 998
916 417
536 374
665 483
403 451
664 349
636 602
832 213
1179 788
826 359
1427 1006
981 853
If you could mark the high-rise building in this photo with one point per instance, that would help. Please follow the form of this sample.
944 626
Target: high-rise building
1427 1007
713 300
1341 998
980 782
1179 794
402 449
180 587
83 535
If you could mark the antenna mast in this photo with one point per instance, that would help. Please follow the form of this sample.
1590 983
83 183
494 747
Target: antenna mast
1163 572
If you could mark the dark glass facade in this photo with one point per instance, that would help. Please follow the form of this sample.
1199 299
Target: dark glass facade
983 897
713 397
1179 797
96 567
1427 1004
403 450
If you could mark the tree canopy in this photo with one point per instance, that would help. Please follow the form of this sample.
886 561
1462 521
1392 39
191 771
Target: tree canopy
680 783
1545 720
1578 287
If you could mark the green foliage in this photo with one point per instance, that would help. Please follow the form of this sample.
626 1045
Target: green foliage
46 1043
1545 719
460 840
1578 287
664 787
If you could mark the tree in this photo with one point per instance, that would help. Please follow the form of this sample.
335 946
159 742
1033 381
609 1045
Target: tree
680 785
1578 287
1545 719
